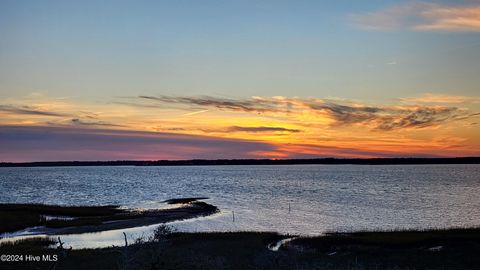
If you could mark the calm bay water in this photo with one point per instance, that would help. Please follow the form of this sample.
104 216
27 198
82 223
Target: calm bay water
321 197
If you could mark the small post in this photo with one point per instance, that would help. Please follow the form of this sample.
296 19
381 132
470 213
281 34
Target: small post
233 216
289 208
60 243
126 258
125 237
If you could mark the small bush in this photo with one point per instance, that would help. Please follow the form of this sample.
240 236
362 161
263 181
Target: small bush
162 231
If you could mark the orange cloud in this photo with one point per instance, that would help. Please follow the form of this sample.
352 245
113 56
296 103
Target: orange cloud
313 111
450 18
422 17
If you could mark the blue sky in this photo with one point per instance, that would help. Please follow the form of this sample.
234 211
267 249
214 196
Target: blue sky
100 49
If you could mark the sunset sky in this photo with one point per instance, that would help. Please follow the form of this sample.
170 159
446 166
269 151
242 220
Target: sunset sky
111 80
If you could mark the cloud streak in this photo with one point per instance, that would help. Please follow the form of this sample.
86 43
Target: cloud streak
440 98
418 118
422 16
194 113
27 110
232 129
261 129
255 105
79 122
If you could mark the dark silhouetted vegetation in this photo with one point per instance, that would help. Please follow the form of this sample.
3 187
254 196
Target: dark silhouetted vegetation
82 219
20 216
430 249
202 162
184 200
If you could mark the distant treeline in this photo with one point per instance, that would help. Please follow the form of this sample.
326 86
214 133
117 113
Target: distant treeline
202 162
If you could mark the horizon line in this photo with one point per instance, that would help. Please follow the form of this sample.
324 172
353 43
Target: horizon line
303 161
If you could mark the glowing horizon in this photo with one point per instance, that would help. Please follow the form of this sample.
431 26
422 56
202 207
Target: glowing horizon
279 127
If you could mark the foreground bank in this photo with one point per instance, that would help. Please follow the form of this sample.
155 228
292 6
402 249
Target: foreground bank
432 249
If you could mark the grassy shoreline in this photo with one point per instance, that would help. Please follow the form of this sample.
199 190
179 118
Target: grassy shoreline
428 249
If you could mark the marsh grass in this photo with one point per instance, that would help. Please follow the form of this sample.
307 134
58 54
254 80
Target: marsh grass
395 238
184 200
20 216
248 250
456 248
58 210
41 241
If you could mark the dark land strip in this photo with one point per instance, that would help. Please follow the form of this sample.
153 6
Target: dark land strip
54 219
202 162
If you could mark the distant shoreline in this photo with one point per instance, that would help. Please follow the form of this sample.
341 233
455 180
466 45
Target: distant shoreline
204 162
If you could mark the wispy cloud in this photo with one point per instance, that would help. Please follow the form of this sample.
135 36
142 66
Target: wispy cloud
440 98
422 16
254 105
262 129
337 113
194 113
27 110
231 129
79 122
418 118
